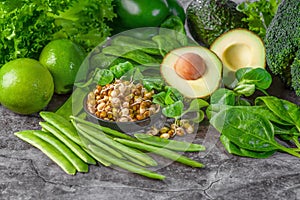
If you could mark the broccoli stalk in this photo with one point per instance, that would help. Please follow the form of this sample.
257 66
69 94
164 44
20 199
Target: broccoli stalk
283 44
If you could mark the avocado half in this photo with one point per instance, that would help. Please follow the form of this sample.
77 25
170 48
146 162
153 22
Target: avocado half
196 72
239 48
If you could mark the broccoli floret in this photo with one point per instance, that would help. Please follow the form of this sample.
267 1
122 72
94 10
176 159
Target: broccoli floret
283 44
295 71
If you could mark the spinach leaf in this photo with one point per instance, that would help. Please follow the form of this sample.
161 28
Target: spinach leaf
258 76
173 23
241 72
257 154
250 79
248 130
234 149
99 76
172 95
159 98
121 68
196 105
104 76
223 96
243 102
286 131
213 109
173 110
245 89
285 110
155 83
171 35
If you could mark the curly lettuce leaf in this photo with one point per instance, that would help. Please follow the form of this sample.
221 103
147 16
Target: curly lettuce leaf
85 22
259 14
26 26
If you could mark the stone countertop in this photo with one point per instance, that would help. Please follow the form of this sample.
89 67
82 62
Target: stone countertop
26 173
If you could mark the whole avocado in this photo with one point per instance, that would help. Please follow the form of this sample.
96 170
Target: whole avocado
208 19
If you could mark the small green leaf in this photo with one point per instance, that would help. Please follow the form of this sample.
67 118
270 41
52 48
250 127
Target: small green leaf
121 68
174 110
104 76
172 95
245 89
223 96
257 76
196 105
159 98
153 83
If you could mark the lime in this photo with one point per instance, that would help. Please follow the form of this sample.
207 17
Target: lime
26 86
63 58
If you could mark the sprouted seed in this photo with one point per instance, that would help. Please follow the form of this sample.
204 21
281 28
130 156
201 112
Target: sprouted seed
121 101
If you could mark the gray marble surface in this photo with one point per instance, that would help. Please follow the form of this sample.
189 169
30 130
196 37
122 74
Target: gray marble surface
26 173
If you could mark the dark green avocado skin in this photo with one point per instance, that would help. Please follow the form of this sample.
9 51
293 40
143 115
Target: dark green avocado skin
208 19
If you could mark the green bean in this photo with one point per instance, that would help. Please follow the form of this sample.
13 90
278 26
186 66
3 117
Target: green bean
62 124
62 148
47 149
125 164
106 130
99 144
100 160
68 142
103 138
169 144
160 151
136 161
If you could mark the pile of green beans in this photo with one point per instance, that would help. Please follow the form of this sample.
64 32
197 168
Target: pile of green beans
128 146
74 144
60 141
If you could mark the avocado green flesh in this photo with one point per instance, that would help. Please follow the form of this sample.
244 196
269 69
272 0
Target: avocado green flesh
208 19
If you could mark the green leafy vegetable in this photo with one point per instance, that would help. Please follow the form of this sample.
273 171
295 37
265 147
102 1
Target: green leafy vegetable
257 76
159 98
245 89
223 96
174 110
104 77
234 149
285 110
250 79
171 35
28 25
282 44
121 68
153 83
248 130
259 14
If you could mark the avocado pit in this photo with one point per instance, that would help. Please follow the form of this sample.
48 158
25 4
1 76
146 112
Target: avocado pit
194 71
190 66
